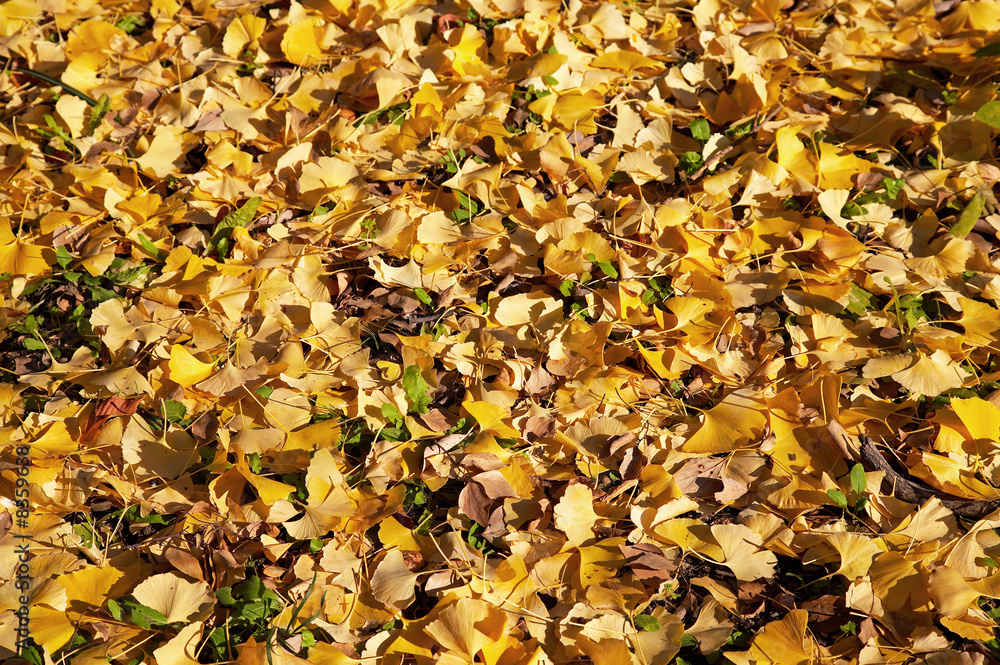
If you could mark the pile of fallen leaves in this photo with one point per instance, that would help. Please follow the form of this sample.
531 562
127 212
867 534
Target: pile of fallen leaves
512 332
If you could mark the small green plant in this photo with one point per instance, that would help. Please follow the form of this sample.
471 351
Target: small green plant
97 114
858 498
889 190
130 24
59 137
691 161
468 209
242 216
129 610
453 160
395 114
423 296
700 131
475 538
909 309
645 622
659 290
248 65
529 95
606 266
398 431
252 606
859 301
416 503
741 129
369 230
418 393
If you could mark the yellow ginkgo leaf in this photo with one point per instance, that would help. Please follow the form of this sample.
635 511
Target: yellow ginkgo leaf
626 61
932 375
185 369
166 154
174 597
51 628
982 418
124 382
465 54
182 648
980 320
854 552
728 425
466 625
392 583
574 514
23 258
301 42
241 32
951 594
786 641
838 167
324 434
55 439
920 374
744 553
491 418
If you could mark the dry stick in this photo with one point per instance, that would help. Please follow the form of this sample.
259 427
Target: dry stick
917 493
717 156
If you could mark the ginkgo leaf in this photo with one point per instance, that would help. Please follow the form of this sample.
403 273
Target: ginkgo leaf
491 418
980 321
182 648
785 641
855 554
165 154
393 584
982 418
301 42
743 552
241 32
90 584
920 374
50 628
18 257
625 61
174 597
951 594
574 514
466 625
729 424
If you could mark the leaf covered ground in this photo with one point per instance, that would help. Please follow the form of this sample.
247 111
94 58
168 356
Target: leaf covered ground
510 332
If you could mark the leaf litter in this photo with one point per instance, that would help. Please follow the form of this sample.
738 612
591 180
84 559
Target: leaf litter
505 332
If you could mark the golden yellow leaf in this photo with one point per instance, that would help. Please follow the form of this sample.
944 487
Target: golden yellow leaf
728 425
491 418
174 597
743 552
393 583
23 258
786 641
242 32
187 370
574 514
465 626
182 648
951 594
301 43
